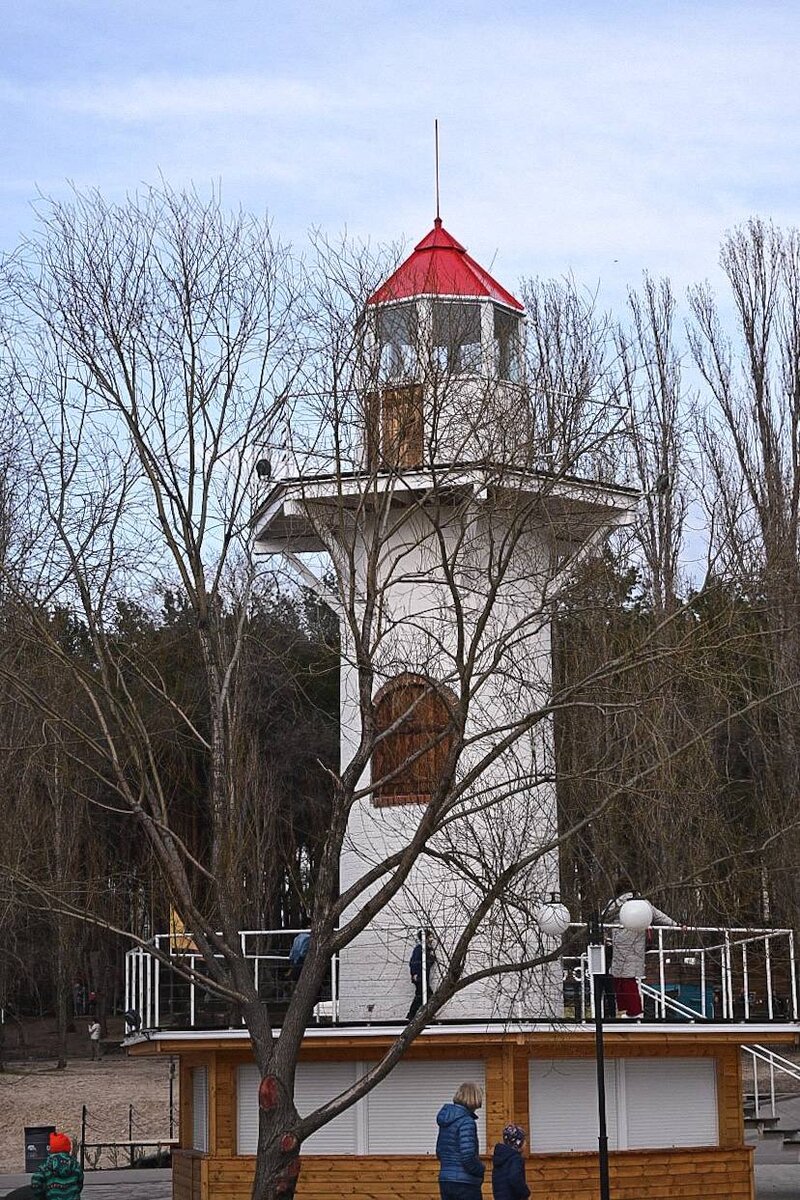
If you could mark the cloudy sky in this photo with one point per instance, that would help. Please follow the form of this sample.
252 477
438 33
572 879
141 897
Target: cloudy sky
577 135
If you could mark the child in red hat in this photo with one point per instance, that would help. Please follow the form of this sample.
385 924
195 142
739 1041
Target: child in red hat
60 1174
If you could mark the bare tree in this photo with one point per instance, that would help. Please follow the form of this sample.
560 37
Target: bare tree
650 382
752 453
154 349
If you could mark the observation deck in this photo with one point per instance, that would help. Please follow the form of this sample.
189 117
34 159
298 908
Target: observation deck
702 974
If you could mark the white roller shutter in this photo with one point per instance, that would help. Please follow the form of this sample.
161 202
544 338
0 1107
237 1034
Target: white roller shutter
247 1081
401 1111
671 1102
563 1104
200 1109
315 1083
651 1104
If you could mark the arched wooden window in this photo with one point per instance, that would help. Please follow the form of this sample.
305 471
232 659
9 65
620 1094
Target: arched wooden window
414 730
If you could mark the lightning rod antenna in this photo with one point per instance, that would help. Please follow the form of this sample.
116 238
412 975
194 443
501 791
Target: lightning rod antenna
436 145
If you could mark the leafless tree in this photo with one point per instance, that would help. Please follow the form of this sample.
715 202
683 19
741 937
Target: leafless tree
752 453
154 348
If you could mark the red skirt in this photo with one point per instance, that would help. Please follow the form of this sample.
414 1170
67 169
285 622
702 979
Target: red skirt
628 997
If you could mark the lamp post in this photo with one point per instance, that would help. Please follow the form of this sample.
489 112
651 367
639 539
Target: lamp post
596 960
553 919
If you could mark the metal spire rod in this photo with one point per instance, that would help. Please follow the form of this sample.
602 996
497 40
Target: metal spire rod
436 142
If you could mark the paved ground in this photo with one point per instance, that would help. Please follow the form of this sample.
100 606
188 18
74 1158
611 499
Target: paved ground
104 1185
775 1180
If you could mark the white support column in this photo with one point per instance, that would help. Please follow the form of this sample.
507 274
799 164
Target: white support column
727 981
148 990
793 973
140 982
768 967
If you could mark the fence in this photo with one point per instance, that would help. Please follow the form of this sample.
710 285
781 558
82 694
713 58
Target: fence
101 1147
724 974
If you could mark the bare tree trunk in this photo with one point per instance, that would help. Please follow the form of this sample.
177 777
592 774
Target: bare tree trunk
62 996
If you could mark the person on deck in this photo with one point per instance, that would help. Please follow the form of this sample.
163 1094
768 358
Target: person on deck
508 1166
629 949
298 954
60 1175
418 969
460 1167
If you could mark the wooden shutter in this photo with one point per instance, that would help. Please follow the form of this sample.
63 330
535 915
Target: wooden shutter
415 752
394 427
200 1109
402 431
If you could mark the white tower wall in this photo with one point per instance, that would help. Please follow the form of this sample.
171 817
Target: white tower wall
504 815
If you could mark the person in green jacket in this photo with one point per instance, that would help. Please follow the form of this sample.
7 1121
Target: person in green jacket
60 1177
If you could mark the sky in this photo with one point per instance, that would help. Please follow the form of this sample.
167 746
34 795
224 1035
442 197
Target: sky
592 137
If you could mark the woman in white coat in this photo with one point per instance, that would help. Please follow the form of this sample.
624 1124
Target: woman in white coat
629 947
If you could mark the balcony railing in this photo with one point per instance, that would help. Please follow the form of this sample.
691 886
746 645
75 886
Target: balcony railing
699 973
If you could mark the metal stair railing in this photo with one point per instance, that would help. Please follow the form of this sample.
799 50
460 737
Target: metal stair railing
665 1001
775 1062
757 1052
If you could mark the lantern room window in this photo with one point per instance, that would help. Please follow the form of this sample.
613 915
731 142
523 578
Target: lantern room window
457 337
414 736
506 345
397 333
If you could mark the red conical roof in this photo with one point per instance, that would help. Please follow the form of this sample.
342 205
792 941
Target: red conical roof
440 266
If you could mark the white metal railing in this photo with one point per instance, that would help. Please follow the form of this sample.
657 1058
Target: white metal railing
703 972
731 974
775 1062
154 992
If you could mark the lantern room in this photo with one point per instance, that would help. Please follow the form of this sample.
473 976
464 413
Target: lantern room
446 343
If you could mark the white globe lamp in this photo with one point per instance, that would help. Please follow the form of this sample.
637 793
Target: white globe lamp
636 915
553 918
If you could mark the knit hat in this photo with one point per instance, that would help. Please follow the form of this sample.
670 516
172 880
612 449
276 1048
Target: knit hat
514 1135
60 1143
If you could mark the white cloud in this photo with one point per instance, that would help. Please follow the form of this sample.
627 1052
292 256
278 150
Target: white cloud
176 98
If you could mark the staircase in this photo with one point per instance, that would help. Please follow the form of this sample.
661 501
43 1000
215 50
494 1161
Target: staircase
768 1124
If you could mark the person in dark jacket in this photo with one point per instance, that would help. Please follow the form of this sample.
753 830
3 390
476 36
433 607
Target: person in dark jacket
508 1166
60 1175
460 1168
420 964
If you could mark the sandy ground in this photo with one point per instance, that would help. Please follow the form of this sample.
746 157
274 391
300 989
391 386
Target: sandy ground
37 1094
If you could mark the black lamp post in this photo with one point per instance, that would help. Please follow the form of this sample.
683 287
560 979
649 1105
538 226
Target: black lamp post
597 969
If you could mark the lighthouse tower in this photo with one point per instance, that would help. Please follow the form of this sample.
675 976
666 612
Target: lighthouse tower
449 540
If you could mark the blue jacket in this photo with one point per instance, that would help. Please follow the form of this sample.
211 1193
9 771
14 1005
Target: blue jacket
299 950
457 1145
508 1174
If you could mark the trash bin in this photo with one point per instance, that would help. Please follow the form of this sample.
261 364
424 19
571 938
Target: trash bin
37 1141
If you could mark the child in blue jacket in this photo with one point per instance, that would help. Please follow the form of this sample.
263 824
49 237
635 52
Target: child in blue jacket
508 1167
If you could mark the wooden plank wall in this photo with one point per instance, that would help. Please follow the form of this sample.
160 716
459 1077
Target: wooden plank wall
190 1175
635 1175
